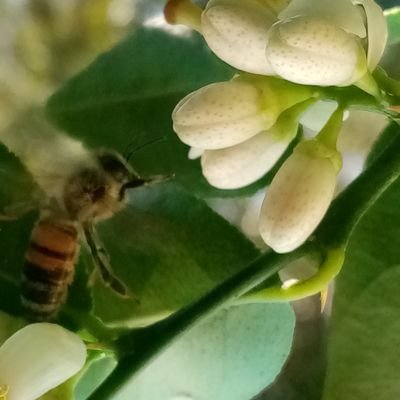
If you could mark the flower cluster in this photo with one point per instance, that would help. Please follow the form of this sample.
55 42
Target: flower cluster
241 128
314 42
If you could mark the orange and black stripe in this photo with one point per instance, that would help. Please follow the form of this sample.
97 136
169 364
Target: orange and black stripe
49 268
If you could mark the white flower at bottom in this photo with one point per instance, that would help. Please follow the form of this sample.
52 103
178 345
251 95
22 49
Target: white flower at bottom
298 198
38 358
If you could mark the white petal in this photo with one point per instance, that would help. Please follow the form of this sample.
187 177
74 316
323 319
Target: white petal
237 33
220 115
296 201
377 32
250 216
38 358
312 51
245 163
194 153
341 13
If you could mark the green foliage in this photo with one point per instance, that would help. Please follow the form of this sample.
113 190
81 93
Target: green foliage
13 175
363 360
384 140
14 236
98 366
393 20
62 392
8 326
231 356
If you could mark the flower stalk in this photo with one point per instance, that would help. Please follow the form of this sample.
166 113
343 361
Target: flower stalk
318 283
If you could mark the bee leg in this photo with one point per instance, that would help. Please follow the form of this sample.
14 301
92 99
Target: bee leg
102 264
16 211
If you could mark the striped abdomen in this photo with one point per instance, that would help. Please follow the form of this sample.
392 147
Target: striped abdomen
49 268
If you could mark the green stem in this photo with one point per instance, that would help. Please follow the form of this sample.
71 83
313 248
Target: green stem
350 206
138 347
390 85
317 283
369 85
92 324
330 132
351 97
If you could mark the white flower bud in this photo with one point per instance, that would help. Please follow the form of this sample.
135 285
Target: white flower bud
194 153
297 199
245 163
225 114
222 115
377 31
38 358
236 31
341 13
313 42
311 50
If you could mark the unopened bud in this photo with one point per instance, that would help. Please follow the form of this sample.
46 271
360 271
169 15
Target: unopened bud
297 198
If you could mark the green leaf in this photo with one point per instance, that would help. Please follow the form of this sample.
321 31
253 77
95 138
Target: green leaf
98 366
8 326
387 3
14 239
65 391
62 392
383 141
363 351
393 21
231 356
125 98
16 183
170 249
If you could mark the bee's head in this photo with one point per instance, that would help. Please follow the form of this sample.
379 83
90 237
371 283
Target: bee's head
120 172
98 191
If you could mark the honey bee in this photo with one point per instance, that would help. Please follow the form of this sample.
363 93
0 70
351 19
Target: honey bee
93 188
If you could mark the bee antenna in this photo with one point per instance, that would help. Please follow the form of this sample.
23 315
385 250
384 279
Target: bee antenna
129 154
136 181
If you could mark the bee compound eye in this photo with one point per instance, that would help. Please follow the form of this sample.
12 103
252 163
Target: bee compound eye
114 165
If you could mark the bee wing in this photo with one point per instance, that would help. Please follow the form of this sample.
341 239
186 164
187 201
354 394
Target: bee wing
17 188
